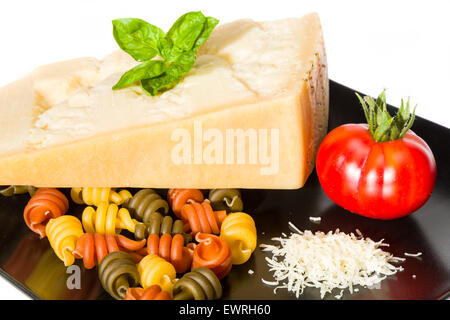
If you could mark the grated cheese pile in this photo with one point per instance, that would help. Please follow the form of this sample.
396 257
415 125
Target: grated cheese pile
328 261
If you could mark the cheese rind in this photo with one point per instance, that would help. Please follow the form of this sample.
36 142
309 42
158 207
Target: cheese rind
77 132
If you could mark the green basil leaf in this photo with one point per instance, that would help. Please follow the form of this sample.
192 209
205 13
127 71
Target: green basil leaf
137 37
178 48
172 76
165 48
168 51
164 82
186 30
206 32
183 63
148 69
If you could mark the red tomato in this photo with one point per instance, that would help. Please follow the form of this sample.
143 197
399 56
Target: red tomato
383 180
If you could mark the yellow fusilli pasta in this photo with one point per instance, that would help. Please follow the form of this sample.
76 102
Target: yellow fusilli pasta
155 270
93 196
107 219
239 232
63 233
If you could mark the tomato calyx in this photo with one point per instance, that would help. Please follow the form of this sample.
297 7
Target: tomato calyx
382 126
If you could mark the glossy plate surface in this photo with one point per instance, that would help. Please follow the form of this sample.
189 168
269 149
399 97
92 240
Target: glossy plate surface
30 264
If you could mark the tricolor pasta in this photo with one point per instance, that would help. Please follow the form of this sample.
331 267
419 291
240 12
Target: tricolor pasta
179 197
199 284
14 190
117 273
201 218
94 196
213 253
153 292
155 270
63 233
157 224
92 248
146 202
107 219
226 199
172 237
47 203
171 249
239 232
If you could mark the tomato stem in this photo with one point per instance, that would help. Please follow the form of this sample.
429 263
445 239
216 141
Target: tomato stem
382 126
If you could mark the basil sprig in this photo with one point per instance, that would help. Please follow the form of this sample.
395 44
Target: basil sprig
382 126
175 51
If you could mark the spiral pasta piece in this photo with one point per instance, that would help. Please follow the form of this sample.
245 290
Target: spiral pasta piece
94 196
13 190
202 218
177 198
63 233
107 219
146 202
151 293
155 270
226 199
238 230
118 272
171 250
213 253
160 225
93 248
199 284
47 203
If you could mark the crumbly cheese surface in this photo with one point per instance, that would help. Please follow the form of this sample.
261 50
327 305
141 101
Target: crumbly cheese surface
99 109
227 72
327 261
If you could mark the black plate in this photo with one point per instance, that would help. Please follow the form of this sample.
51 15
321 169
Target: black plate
30 264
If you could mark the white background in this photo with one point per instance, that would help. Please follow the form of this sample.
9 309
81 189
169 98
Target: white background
403 46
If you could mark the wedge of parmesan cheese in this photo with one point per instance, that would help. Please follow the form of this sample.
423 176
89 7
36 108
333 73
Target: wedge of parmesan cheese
250 114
